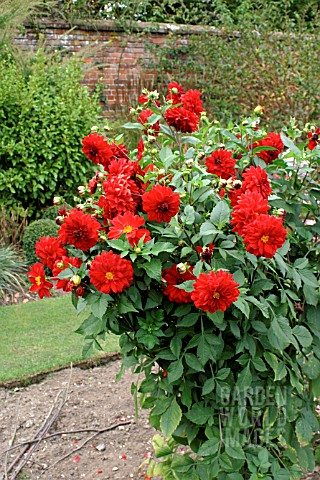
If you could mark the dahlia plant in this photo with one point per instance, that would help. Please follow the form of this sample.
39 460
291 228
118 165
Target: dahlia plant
199 249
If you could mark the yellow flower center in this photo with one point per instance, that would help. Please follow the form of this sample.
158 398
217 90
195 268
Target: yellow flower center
216 295
127 229
264 238
38 280
109 276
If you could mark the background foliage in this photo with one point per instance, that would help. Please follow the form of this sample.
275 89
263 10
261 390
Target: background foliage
44 114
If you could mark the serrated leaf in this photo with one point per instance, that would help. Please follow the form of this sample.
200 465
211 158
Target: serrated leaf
208 386
244 379
280 334
175 371
209 447
153 269
243 306
193 362
207 228
91 326
280 372
199 414
162 247
176 345
100 304
171 418
235 452
125 305
303 335
308 278
220 214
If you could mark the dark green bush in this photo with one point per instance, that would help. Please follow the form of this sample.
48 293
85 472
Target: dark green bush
39 228
51 212
44 114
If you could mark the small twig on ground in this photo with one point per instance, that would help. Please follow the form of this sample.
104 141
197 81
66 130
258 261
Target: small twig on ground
5 476
107 429
63 432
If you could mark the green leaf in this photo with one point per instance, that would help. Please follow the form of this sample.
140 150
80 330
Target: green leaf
188 320
235 452
280 334
308 278
175 371
199 414
289 143
220 214
303 335
91 326
100 304
244 379
153 269
125 305
171 418
189 215
300 263
243 306
207 228
304 432
208 386
263 308
193 362
162 247
311 295
133 126
311 367
280 372
209 447
176 345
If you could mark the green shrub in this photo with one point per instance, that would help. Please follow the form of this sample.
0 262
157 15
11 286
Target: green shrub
51 212
44 114
12 271
40 228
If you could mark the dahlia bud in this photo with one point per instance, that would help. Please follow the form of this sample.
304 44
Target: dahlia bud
132 111
60 264
203 114
89 263
145 91
182 195
94 129
139 109
237 184
210 143
80 207
99 176
76 280
189 163
161 171
154 151
201 155
103 237
280 212
106 128
57 201
222 146
59 220
181 243
245 122
174 90
222 183
259 110
151 139
182 268
186 172
137 250
81 190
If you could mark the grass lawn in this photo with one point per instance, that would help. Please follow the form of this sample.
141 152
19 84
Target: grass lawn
39 336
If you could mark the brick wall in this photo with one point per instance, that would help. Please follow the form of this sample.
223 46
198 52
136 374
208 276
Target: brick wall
109 53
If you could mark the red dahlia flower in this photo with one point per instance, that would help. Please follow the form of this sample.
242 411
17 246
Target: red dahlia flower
221 163
173 277
143 119
111 273
49 249
264 236
191 101
215 291
314 139
161 203
128 224
271 140
175 95
118 151
61 265
97 149
120 195
37 277
140 149
249 206
256 180
80 230
182 120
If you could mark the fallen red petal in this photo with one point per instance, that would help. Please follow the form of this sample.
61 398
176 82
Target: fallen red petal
147 455
124 457
76 459
75 441
98 472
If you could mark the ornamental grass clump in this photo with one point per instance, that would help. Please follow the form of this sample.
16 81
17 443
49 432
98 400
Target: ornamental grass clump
199 249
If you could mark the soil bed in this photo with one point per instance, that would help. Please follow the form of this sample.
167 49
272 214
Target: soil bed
96 401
